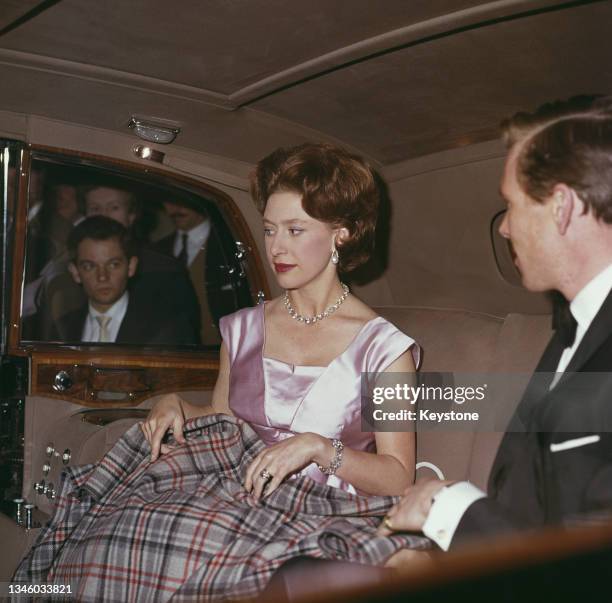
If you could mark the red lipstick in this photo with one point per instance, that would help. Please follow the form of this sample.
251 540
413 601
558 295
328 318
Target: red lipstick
283 267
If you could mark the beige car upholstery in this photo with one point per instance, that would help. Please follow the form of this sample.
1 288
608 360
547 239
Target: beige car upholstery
462 341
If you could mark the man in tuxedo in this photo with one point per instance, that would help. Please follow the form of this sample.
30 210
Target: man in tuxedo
102 261
555 461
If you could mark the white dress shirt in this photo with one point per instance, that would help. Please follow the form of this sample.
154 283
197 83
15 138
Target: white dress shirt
196 239
452 502
91 329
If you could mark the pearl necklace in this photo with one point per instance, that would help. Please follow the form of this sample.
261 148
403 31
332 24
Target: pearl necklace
310 320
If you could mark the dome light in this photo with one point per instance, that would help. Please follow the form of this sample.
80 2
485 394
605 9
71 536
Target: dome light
154 131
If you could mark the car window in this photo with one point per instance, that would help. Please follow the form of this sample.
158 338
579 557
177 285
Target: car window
114 257
503 252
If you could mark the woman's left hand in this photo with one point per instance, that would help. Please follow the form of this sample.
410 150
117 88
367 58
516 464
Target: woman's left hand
280 460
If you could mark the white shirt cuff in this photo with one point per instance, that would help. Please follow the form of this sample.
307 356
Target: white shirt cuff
446 511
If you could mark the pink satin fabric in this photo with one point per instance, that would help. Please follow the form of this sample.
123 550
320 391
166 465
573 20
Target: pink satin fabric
280 400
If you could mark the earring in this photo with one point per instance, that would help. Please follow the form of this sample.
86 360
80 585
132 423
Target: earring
335 258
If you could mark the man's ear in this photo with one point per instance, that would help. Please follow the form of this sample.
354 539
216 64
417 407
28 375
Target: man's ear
74 273
563 202
132 265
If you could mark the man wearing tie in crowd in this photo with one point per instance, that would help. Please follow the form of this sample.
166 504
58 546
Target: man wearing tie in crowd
102 261
192 232
196 246
557 183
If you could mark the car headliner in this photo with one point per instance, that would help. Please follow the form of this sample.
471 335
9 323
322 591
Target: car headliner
393 80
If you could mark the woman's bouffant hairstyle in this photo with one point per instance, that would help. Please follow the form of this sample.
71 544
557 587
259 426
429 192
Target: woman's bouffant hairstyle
336 187
566 142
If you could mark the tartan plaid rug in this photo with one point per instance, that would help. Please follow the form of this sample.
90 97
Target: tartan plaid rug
184 529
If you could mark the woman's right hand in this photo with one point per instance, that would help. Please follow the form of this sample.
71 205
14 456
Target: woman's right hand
166 413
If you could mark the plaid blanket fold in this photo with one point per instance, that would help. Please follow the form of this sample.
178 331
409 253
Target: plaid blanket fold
184 528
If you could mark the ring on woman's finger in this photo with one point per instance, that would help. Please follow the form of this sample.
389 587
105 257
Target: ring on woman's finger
265 474
387 523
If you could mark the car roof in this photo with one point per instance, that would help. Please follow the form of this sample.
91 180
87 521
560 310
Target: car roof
394 80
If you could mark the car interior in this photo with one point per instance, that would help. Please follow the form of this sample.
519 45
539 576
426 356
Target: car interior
173 105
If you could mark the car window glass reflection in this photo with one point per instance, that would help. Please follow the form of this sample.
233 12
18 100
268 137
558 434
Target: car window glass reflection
109 260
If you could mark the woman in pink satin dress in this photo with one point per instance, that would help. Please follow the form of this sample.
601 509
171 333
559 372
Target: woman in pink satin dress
291 474
292 367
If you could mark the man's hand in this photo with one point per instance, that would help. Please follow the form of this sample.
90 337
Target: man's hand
410 513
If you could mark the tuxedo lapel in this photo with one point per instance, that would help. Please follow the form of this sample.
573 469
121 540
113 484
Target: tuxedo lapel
551 355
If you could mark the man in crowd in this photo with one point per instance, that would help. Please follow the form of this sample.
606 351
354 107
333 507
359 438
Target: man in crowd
192 232
102 261
557 183
196 245
158 277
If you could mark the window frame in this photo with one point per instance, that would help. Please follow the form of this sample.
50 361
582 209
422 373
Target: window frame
5 244
45 355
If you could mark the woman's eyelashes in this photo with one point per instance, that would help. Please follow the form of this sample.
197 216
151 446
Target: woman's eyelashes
292 230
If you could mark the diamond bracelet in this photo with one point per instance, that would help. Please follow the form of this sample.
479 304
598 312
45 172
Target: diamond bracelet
336 462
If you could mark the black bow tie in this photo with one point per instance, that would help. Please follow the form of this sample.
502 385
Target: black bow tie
566 327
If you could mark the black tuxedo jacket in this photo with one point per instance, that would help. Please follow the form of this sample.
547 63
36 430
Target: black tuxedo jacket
143 324
560 466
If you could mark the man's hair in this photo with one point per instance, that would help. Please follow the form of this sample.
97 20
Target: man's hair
133 203
336 187
193 203
566 142
100 228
